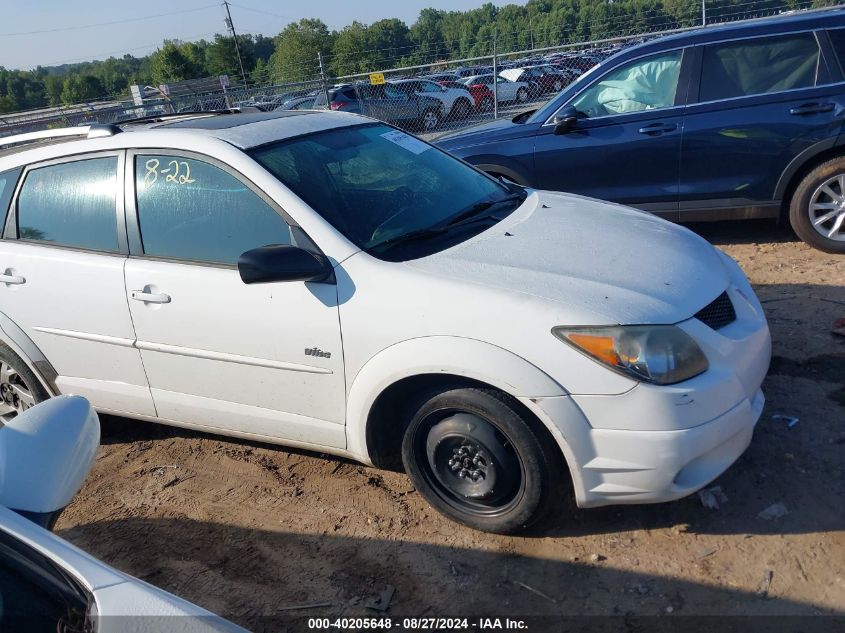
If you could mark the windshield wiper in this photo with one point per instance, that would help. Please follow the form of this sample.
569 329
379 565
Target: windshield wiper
410 236
473 212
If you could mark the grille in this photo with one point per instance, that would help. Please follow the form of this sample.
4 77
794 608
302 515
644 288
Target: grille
717 314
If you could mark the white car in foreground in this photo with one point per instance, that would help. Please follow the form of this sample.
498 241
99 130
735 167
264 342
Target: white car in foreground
324 280
47 584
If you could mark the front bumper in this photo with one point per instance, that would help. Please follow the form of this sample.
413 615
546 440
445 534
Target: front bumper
653 443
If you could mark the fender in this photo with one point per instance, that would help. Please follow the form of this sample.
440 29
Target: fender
507 172
23 346
799 161
458 356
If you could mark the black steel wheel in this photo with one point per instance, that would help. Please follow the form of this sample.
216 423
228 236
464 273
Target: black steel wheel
475 457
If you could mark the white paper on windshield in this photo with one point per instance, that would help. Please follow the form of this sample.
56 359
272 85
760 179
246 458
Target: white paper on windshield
406 141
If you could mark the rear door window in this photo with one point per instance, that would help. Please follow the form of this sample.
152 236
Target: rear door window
758 66
71 204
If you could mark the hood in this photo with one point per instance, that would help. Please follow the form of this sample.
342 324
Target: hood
603 263
495 130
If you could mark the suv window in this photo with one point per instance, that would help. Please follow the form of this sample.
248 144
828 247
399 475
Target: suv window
648 83
837 37
759 66
190 209
71 204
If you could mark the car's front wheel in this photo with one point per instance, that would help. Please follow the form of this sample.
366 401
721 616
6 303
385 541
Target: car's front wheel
19 387
817 208
430 120
474 456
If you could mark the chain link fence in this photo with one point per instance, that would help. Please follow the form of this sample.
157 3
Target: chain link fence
427 99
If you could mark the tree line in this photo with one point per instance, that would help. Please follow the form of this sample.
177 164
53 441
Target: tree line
436 35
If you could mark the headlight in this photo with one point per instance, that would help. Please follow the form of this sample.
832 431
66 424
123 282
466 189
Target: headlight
660 354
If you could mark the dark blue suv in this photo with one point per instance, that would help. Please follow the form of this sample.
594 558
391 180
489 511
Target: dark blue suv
738 121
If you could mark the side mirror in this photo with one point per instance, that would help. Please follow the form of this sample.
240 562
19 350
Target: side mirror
282 262
565 120
45 455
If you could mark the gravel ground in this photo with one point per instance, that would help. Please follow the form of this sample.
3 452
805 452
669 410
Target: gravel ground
248 530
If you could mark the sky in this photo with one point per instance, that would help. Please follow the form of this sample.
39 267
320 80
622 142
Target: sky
48 33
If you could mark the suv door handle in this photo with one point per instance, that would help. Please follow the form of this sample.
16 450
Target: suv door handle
150 297
812 108
12 279
657 128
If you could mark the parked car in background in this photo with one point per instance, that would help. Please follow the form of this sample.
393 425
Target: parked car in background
268 104
385 102
543 79
406 309
482 96
440 78
457 102
462 72
47 584
508 91
299 103
737 121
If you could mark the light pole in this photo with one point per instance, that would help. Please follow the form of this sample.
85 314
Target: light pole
231 26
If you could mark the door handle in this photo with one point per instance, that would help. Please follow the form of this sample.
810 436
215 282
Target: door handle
150 297
12 279
811 108
657 128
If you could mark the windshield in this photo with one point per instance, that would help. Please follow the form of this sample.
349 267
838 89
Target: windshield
377 185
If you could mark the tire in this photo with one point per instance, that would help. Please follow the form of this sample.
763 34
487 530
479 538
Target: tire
557 86
817 208
522 95
430 120
20 388
475 458
486 104
461 109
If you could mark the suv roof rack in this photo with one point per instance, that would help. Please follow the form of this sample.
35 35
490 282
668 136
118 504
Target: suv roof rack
86 131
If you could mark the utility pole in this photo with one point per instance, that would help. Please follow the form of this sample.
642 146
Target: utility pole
323 80
231 26
703 14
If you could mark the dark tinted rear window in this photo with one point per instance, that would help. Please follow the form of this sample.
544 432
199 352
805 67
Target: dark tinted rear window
837 36
759 66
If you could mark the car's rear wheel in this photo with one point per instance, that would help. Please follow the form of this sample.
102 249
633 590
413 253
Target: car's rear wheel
19 387
461 109
474 457
430 120
522 95
817 208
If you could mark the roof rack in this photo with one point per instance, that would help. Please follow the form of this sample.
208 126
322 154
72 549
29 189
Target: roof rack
86 131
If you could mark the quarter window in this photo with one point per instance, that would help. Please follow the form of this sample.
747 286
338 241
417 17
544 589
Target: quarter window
190 209
837 36
759 66
71 204
649 83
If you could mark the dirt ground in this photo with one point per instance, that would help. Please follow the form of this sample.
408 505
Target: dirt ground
250 530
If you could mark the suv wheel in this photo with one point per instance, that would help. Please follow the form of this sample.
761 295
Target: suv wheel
430 120
817 208
474 457
19 387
